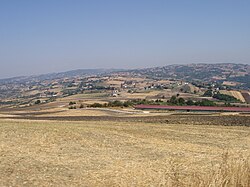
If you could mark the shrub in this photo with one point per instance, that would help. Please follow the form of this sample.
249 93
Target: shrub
181 101
72 103
205 102
190 102
224 97
208 93
96 105
38 102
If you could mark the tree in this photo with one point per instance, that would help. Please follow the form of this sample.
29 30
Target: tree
181 101
208 93
96 105
190 102
127 103
173 100
205 102
38 102
224 97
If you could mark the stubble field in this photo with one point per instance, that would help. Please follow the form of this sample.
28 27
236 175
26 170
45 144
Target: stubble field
122 153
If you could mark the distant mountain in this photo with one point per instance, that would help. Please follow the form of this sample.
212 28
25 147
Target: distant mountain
189 72
200 72
51 76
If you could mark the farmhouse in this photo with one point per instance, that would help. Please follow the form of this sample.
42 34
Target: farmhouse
193 108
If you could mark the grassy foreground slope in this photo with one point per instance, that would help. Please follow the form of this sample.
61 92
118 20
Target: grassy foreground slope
95 153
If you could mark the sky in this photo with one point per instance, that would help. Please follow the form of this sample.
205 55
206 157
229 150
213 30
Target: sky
44 36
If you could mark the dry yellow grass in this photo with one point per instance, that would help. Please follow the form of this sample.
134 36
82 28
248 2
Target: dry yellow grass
79 112
141 95
115 82
46 153
236 94
86 96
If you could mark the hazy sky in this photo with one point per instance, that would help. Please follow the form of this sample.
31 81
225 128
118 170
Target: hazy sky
40 36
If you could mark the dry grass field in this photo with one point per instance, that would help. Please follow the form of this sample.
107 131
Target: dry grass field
140 95
235 94
122 153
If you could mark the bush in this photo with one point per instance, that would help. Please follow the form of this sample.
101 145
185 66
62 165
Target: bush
181 101
224 97
176 101
173 100
38 102
205 102
190 102
72 103
127 103
96 105
208 93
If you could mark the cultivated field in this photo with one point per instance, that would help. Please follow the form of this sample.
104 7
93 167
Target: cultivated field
124 152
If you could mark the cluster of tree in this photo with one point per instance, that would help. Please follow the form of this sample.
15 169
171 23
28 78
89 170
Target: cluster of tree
174 100
204 102
128 103
224 97
113 104
73 106
219 96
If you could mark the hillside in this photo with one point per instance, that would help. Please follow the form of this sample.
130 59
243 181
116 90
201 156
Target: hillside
51 76
191 72
238 73
192 80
